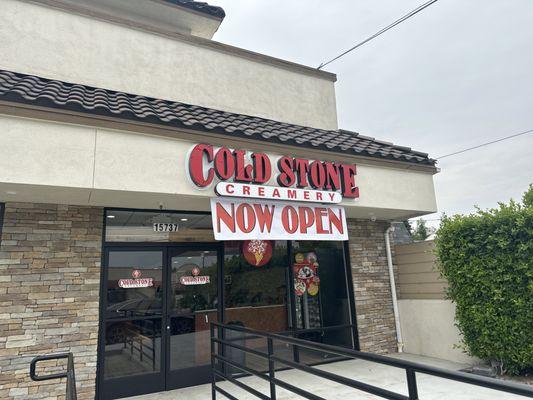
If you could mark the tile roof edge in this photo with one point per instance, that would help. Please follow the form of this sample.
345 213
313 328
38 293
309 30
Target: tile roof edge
395 146
201 7
133 95
138 126
49 103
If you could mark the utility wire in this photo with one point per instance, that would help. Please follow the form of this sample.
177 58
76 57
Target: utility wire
485 144
375 35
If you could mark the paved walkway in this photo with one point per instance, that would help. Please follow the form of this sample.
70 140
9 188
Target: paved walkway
429 388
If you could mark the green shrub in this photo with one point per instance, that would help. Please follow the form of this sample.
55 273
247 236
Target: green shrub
487 259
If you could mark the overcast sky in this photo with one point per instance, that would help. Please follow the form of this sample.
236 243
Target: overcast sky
455 75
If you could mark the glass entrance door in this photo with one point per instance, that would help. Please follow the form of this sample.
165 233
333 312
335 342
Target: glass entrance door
132 323
159 301
193 302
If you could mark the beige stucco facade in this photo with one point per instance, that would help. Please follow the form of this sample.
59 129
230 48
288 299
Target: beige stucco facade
72 159
62 45
428 328
73 164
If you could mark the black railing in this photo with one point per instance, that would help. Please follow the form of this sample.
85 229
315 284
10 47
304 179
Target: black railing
69 373
136 341
220 362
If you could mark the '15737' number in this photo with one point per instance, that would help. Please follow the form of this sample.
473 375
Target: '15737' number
164 227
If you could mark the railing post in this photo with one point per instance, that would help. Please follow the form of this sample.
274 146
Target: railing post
270 346
71 379
213 376
153 348
70 389
296 350
411 384
221 334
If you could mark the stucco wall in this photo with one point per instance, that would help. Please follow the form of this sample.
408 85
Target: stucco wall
428 329
93 166
55 44
427 318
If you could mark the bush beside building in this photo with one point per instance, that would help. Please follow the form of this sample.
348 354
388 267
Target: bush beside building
487 259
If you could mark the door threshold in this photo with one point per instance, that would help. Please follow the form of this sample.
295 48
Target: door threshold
200 392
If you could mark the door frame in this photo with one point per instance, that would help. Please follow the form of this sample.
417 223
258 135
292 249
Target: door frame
153 382
139 383
201 374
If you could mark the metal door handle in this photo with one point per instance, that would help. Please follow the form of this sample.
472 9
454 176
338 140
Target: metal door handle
206 319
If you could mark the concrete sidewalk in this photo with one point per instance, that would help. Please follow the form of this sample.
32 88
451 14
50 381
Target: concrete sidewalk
390 378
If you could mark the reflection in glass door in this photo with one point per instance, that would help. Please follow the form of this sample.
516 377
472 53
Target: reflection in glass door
192 304
159 301
255 297
132 323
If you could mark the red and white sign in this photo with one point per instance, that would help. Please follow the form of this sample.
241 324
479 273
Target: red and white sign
299 287
235 219
206 162
136 283
234 189
195 280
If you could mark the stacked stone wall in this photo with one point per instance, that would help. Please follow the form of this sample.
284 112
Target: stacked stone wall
49 291
370 275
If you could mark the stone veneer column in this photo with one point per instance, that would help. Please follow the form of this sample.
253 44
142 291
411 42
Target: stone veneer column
373 299
49 290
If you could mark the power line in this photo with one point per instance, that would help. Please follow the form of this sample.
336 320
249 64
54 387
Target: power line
485 144
375 35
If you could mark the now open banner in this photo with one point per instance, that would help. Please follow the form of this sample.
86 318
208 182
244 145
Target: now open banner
245 219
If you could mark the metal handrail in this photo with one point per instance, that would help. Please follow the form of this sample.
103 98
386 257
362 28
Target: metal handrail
302 331
136 336
69 373
322 329
411 368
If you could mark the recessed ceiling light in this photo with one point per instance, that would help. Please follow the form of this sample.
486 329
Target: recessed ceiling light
110 216
184 219
11 192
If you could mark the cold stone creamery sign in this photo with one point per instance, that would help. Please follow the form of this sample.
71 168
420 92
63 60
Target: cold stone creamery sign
248 209
136 282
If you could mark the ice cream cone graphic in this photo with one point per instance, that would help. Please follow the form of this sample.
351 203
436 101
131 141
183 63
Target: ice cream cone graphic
258 248
257 252
258 257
